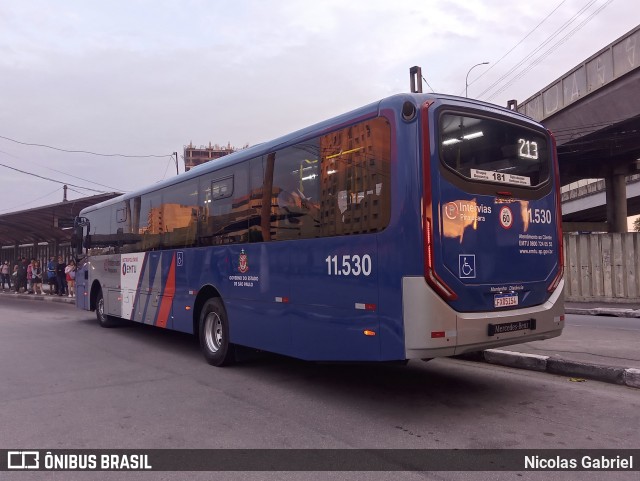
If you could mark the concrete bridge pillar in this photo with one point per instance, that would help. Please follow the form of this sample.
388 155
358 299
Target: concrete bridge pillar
616 195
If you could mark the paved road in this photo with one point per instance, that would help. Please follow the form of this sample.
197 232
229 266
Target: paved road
67 383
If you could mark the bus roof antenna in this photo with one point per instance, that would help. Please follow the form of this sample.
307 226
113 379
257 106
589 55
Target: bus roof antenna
416 79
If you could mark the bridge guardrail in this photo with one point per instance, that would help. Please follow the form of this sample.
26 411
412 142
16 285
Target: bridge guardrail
589 188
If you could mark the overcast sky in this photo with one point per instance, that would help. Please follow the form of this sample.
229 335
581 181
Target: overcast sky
142 77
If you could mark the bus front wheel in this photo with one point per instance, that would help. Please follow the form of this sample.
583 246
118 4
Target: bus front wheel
214 334
103 319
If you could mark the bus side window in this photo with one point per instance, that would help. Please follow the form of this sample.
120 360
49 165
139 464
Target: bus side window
224 206
151 221
180 214
259 209
355 178
296 191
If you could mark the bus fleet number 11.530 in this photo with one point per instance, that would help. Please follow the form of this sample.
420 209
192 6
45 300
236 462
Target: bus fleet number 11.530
349 265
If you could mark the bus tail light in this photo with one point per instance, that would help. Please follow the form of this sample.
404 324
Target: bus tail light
430 275
429 271
556 280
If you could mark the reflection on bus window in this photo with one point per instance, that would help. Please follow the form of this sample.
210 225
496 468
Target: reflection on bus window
355 178
336 184
224 207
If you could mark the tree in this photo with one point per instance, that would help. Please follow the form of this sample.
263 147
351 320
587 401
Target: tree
636 225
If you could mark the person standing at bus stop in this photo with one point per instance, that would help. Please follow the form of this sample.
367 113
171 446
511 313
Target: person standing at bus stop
6 275
61 276
36 277
14 276
51 275
29 277
70 272
21 275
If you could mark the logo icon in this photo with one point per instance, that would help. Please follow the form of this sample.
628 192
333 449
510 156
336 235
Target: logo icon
467 266
180 259
243 262
451 210
23 460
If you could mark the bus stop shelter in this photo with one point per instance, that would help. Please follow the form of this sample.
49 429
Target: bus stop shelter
43 232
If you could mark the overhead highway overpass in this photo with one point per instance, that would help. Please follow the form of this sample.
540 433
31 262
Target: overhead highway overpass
594 112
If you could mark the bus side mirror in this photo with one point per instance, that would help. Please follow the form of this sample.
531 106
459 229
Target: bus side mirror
76 240
79 224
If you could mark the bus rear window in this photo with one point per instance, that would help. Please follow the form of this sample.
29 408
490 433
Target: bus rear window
490 150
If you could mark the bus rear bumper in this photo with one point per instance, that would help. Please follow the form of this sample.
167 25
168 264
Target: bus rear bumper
434 329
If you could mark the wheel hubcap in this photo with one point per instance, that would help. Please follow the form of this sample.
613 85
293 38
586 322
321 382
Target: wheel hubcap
213 332
101 308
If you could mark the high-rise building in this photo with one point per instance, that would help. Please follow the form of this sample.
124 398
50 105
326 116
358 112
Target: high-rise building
194 156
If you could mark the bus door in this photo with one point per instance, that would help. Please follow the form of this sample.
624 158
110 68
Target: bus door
143 278
81 244
82 289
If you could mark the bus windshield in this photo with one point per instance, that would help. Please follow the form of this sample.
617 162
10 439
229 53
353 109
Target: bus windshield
490 150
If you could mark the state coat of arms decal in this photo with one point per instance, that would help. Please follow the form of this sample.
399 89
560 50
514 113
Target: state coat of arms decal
243 262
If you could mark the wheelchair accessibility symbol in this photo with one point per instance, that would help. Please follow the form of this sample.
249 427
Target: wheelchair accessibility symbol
467 266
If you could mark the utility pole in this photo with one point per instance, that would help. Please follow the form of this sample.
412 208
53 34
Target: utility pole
176 154
466 82
64 196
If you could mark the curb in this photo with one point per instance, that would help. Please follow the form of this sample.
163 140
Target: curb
603 311
40 297
616 375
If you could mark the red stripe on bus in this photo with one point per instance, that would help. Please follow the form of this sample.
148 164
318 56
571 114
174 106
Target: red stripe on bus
167 296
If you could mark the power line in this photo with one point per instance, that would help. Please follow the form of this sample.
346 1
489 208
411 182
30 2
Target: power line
52 180
62 172
516 45
551 49
425 81
80 151
76 191
539 47
22 204
81 178
167 168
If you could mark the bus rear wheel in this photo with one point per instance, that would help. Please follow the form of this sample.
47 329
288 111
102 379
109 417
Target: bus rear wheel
103 319
214 334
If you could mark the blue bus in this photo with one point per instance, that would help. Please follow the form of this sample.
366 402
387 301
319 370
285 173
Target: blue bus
419 226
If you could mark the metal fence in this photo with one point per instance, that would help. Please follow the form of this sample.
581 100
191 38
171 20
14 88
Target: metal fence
602 267
40 252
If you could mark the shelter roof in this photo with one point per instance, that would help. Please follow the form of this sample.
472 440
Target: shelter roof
50 223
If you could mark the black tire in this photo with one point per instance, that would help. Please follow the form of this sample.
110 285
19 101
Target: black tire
103 319
214 334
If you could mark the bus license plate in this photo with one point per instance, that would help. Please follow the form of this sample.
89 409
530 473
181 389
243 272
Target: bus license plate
504 300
